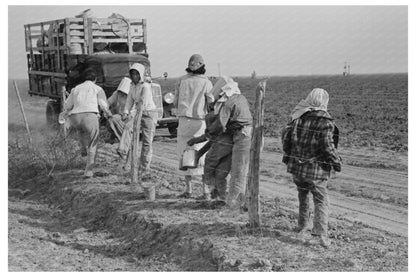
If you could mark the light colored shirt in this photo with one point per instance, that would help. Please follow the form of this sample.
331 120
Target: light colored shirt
86 97
141 92
192 96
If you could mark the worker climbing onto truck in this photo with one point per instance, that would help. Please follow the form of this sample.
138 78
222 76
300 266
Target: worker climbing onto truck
82 109
229 129
122 129
140 93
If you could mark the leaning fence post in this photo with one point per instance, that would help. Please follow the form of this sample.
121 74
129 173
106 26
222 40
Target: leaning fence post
23 112
254 168
63 100
135 143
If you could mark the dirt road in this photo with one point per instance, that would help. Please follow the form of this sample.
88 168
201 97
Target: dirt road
375 197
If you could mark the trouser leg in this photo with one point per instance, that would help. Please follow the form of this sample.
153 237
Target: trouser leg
205 187
321 211
87 126
92 128
304 207
221 173
239 165
188 184
218 164
148 131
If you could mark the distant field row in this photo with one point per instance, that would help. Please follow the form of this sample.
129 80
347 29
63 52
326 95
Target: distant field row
370 110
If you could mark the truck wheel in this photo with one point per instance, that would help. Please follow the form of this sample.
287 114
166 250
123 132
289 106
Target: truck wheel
173 129
52 112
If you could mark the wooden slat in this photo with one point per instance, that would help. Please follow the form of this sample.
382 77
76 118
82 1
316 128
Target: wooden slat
58 58
43 47
145 34
27 39
129 40
48 48
67 35
77 33
75 19
86 35
109 40
46 73
38 24
76 27
112 34
90 37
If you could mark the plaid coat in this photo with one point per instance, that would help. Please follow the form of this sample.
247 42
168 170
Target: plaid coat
309 148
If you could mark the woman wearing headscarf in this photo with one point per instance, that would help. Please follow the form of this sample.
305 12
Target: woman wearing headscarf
309 145
140 93
230 135
191 100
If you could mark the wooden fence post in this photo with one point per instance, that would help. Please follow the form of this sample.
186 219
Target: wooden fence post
63 100
135 144
254 168
23 112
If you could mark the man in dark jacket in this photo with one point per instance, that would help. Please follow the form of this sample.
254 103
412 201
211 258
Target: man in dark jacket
310 155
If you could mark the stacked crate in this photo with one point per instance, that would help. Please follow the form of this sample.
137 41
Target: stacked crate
53 47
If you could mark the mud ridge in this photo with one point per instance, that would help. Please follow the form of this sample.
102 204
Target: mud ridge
140 235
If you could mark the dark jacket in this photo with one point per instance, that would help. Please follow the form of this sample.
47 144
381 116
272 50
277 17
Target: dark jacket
309 146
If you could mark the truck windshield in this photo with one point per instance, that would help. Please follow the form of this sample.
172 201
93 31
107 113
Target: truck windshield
114 70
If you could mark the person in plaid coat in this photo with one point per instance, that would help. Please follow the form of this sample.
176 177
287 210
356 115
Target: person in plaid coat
310 143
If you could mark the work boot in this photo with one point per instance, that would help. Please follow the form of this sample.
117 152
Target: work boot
302 234
324 241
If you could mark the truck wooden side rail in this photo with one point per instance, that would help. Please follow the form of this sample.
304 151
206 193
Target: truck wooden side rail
53 47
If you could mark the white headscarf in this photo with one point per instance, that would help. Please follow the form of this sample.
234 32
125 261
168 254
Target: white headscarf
139 68
224 84
317 100
223 89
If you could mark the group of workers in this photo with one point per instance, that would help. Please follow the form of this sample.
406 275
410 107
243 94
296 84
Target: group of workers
215 121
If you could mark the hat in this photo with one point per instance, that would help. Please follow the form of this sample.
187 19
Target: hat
195 62
139 68
124 85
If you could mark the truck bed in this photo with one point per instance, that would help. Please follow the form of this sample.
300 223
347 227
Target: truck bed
53 47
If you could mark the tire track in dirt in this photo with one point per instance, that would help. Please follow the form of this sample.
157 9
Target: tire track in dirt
377 215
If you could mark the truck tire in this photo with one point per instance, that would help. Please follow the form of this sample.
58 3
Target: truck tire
53 109
173 129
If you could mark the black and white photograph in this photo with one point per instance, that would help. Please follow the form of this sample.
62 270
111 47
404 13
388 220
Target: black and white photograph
207 137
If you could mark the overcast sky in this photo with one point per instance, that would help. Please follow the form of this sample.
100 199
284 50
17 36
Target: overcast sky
273 40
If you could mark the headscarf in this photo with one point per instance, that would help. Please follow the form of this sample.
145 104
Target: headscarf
216 89
139 68
317 100
124 85
224 88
